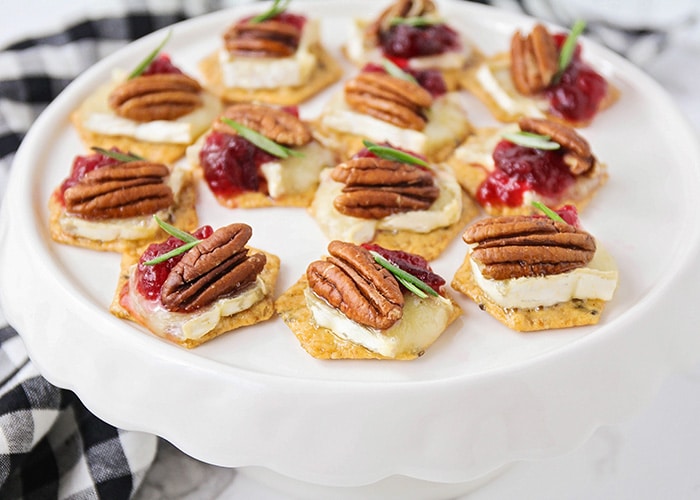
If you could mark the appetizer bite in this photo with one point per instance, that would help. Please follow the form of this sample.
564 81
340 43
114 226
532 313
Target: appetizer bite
275 57
543 75
410 109
256 155
393 198
366 302
532 272
413 34
196 286
109 199
505 169
155 111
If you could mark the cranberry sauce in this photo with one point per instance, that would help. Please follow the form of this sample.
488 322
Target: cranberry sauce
430 79
232 164
150 279
519 169
161 65
84 164
576 97
405 41
411 263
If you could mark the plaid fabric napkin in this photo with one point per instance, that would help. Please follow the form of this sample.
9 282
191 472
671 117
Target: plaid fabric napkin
51 446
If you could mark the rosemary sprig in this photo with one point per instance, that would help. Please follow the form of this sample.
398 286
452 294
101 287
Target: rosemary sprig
548 211
408 280
389 153
260 140
568 47
277 7
149 58
116 155
392 69
531 140
416 21
189 242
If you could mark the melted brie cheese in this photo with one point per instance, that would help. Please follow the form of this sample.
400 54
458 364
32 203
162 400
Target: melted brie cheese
446 120
445 211
422 323
597 280
196 324
494 78
102 120
296 174
133 228
272 72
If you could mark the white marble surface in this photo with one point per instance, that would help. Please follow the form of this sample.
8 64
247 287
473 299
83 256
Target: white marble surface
653 454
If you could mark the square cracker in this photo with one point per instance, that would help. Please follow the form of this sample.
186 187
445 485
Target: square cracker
259 312
321 342
575 312
326 73
184 216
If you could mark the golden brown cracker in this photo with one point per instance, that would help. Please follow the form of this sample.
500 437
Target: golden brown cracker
184 216
576 312
327 72
259 312
320 342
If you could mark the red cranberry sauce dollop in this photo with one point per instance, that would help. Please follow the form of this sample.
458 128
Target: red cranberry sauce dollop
161 65
411 263
576 97
519 169
406 41
84 164
150 279
430 79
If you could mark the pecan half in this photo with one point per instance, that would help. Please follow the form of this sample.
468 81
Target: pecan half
156 97
219 266
120 191
577 154
525 246
534 60
351 281
274 123
393 100
400 8
375 188
264 39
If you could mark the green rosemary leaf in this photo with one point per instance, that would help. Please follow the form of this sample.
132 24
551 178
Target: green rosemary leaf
173 231
416 21
568 47
149 59
172 253
402 275
277 7
412 288
530 140
125 157
397 72
259 140
393 154
548 211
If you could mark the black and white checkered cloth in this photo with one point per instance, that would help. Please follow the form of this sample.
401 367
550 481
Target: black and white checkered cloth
51 446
